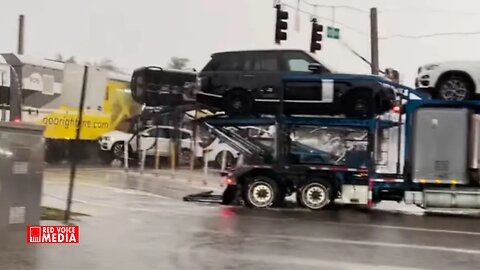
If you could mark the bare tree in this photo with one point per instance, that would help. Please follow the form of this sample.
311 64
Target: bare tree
107 64
178 63
59 58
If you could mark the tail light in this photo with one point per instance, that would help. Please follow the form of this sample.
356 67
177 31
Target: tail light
399 109
229 181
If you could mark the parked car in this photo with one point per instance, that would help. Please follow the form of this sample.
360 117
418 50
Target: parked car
215 149
454 80
113 142
249 82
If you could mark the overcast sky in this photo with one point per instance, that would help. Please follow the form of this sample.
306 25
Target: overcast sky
149 32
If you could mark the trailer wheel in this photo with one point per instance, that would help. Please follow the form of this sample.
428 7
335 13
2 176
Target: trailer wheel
315 194
261 192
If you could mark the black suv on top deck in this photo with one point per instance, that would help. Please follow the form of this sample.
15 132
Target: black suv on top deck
244 82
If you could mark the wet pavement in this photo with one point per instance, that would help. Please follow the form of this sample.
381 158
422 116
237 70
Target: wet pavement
133 229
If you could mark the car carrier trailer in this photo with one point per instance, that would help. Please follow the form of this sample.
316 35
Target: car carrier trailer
440 171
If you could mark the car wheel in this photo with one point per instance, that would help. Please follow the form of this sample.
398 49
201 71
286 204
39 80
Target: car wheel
261 192
117 150
229 159
315 194
185 156
454 88
238 102
358 105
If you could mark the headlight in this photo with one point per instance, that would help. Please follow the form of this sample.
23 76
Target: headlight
431 67
106 138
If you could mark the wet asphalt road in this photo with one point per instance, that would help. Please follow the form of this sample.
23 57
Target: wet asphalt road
131 229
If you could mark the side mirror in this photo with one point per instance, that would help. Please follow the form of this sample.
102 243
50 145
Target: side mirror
144 134
315 67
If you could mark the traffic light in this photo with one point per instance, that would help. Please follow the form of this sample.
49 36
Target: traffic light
317 30
281 25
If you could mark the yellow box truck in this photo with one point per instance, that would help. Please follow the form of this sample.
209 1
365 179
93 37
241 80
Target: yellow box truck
37 95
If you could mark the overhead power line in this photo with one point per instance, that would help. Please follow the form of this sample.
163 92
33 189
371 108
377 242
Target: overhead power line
429 10
431 35
328 19
365 33
334 6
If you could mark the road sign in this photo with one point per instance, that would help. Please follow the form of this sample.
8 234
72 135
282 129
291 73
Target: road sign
333 32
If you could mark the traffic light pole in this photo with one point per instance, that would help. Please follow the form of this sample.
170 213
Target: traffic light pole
374 41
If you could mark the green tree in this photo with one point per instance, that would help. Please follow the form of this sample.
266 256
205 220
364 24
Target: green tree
178 63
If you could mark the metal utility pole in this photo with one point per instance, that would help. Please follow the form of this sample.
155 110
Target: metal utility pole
374 40
21 25
75 147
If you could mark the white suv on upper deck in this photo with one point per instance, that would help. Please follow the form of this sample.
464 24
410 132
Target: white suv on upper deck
454 80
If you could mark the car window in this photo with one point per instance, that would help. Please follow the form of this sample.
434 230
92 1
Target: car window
212 65
262 62
159 132
297 61
230 62
299 65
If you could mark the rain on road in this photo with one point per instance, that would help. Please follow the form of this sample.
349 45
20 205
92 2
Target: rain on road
130 229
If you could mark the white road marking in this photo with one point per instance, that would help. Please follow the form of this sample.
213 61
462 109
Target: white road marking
383 227
391 227
347 242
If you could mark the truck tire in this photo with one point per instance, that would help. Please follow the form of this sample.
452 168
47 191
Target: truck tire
54 151
261 192
106 157
315 194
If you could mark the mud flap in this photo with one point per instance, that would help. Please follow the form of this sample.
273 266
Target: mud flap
230 195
